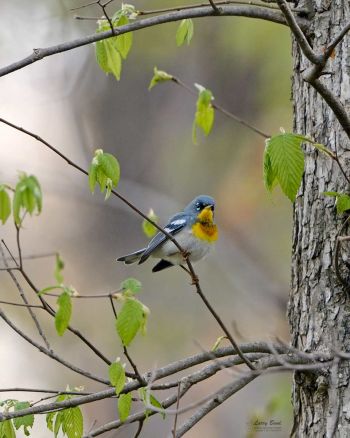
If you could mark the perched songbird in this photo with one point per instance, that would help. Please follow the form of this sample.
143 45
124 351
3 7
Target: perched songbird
194 229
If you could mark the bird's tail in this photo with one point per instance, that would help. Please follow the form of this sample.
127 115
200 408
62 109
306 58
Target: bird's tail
132 258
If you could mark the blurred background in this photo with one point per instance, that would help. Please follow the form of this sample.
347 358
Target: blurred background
71 103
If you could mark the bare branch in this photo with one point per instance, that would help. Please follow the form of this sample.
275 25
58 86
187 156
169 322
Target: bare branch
242 11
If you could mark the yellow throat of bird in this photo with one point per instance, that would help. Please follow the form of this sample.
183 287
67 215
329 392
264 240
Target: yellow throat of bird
204 228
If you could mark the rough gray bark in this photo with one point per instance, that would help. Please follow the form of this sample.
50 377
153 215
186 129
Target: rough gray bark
319 308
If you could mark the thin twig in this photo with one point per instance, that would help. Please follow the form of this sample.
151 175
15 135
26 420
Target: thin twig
22 294
69 328
178 81
50 353
217 317
10 303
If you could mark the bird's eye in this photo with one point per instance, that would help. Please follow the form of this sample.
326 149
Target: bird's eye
198 206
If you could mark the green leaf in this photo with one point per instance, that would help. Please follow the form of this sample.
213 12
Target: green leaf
58 423
101 56
184 32
110 167
105 171
117 376
342 201
124 406
124 41
114 61
26 421
58 269
149 229
27 196
16 205
131 285
7 430
287 162
5 205
63 313
35 189
204 116
73 422
49 420
159 76
93 176
130 320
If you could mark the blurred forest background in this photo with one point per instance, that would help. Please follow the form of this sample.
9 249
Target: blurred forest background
71 103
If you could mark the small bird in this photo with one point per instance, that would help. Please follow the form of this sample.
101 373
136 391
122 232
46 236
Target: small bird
193 228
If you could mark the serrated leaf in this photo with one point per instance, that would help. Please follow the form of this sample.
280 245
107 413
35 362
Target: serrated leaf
287 162
58 269
117 376
159 76
124 406
129 320
5 205
131 285
184 32
149 229
124 41
63 313
114 61
26 421
7 430
73 422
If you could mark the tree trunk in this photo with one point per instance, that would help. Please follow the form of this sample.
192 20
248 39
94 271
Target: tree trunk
319 308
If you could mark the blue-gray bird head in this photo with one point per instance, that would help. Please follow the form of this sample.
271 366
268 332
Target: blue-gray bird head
199 203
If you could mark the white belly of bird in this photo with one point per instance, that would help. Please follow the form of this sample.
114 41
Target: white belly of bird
197 248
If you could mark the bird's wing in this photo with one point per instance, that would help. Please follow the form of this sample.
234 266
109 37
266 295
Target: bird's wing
176 224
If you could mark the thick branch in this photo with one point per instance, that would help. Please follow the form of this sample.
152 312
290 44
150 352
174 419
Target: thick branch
241 11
